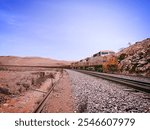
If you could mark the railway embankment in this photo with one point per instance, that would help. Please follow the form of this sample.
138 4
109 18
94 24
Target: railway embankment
92 94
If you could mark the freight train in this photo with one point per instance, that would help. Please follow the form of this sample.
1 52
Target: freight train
103 61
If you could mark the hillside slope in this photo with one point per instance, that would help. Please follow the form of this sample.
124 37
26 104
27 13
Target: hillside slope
135 59
31 61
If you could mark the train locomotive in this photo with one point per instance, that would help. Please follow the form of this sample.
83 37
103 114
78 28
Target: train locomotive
103 61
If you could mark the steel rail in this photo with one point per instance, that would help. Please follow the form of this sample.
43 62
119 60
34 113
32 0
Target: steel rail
41 105
140 85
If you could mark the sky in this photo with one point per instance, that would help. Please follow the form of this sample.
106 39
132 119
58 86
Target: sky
71 29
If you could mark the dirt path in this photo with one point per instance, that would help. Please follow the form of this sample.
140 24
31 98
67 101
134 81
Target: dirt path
61 99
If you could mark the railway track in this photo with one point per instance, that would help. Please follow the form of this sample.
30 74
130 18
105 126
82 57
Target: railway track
139 85
43 102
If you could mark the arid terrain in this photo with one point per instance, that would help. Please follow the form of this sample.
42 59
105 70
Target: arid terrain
23 84
26 81
31 61
135 59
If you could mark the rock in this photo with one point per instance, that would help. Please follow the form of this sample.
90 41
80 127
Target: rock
142 62
140 65
109 97
134 63
135 59
148 59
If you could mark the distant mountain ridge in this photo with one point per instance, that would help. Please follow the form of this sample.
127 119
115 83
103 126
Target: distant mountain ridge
31 61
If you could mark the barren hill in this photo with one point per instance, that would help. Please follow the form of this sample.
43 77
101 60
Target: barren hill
31 61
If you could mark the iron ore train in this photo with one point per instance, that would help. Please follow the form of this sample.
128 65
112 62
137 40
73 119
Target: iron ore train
103 61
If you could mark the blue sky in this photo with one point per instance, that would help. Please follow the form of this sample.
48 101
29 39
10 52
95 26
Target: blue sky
71 29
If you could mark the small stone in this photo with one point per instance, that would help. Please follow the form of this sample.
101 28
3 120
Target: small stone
5 104
143 62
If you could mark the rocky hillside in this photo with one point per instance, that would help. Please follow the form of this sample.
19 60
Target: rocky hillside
135 59
31 61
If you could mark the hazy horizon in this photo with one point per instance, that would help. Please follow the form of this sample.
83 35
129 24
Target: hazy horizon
70 30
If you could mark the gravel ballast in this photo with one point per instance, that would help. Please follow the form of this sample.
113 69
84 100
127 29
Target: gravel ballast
93 95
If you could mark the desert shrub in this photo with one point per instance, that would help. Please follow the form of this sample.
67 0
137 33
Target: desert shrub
4 91
2 68
112 68
98 68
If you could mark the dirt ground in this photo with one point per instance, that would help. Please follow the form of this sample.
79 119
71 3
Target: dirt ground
61 100
22 89
27 101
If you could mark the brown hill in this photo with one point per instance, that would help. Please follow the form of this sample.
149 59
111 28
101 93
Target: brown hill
31 61
135 59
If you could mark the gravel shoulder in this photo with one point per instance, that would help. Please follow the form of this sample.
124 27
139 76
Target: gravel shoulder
95 95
